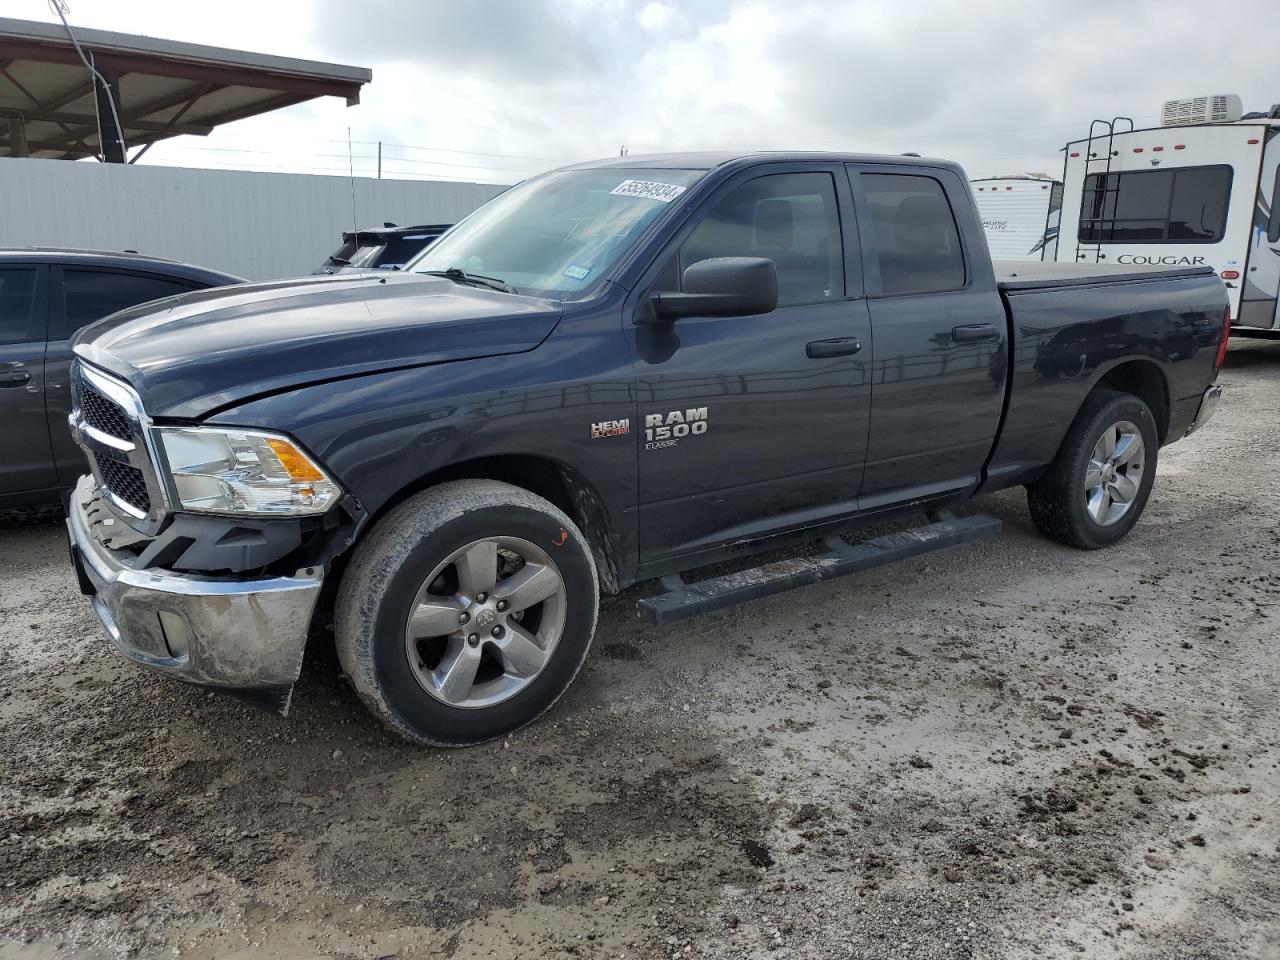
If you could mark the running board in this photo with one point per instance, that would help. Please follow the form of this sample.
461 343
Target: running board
683 600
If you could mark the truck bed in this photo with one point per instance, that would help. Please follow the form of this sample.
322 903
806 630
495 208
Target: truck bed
1032 275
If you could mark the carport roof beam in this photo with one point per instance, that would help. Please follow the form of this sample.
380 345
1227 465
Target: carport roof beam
165 88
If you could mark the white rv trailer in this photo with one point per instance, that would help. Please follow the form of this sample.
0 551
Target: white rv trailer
1201 188
1019 215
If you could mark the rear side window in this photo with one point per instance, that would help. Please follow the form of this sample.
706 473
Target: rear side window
916 240
400 250
17 302
89 295
1187 205
789 218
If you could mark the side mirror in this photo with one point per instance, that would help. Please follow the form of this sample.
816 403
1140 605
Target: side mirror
720 287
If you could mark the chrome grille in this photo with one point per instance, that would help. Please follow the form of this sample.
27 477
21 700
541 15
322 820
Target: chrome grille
125 482
111 427
103 413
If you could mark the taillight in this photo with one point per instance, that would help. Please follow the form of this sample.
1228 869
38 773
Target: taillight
1230 274
1222 344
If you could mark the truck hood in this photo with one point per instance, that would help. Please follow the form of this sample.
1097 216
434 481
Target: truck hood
192 354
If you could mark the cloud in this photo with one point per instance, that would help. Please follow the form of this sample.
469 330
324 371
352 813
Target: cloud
999 85
578 78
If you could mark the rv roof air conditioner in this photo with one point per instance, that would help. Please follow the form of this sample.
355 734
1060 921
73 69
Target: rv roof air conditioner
1220 108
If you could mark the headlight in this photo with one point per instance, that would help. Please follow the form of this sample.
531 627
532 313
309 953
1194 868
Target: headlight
244 471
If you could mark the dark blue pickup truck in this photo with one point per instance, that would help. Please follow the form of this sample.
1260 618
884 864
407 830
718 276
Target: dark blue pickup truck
614 372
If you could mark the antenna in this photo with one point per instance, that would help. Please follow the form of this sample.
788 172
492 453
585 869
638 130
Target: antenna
355 221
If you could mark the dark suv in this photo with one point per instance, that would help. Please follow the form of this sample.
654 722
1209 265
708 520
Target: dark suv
384 248
45 297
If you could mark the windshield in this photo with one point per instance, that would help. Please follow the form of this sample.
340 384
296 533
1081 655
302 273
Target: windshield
557 235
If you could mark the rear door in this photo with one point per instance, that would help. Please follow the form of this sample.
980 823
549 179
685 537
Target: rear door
27 463
751 424
82 295
941 351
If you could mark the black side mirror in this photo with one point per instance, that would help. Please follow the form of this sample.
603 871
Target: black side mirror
720 287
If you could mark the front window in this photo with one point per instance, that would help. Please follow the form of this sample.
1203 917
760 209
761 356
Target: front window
789 218
557 235
1186 205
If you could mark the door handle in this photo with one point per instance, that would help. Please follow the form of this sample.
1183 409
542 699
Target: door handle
14 379
843 347
974 331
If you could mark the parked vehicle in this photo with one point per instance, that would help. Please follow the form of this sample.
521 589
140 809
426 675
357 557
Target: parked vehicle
386 248
1201 189
1020 215
612 372
46 295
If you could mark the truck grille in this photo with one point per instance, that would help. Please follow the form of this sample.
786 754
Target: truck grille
111 426
125 483
104 414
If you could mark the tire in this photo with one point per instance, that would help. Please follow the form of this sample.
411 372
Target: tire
394 571
1060 501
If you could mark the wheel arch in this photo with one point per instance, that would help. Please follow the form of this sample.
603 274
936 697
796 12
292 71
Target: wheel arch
1145 380
551 479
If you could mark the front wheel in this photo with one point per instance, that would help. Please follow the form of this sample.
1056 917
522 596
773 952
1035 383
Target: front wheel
466 612
1097 486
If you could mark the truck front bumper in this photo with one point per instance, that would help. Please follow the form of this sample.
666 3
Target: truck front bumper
1208 405
243 637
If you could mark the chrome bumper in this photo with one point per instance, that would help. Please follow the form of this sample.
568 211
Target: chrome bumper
245 637
1208 405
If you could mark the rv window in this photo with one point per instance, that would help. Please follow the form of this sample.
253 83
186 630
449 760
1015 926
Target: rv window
1186 205
1273 225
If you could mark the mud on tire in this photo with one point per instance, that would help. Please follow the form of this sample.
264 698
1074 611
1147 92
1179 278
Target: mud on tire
398 675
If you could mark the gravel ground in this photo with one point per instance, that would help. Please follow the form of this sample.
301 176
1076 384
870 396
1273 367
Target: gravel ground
1004 751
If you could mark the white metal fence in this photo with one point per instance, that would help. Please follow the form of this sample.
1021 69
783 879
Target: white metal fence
255 225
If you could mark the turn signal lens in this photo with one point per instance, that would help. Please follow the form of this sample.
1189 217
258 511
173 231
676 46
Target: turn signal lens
295 462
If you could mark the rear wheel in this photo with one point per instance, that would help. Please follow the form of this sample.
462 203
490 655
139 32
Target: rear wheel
1097 486
466 612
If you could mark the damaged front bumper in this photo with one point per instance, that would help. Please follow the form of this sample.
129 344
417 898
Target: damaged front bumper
242 637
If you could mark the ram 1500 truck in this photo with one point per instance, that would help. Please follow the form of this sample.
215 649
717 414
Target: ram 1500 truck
613 372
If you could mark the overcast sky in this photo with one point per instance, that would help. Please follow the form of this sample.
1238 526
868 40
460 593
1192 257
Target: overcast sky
498 89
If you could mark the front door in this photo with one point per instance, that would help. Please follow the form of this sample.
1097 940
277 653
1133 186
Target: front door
941 343
27 463
750 424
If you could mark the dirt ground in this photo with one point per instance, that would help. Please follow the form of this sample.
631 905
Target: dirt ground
1009 750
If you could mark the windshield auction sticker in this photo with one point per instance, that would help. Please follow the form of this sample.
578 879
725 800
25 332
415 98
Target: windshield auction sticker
648 190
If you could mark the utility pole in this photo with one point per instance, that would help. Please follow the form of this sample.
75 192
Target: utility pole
379 159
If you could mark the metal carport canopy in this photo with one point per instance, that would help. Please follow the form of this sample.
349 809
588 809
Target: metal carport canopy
49 105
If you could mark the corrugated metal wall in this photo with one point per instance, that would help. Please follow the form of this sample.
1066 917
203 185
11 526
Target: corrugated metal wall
255 225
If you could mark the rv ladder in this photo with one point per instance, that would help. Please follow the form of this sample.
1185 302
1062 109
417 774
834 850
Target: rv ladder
1104 200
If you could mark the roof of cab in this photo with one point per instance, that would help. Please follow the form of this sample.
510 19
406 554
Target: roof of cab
709 160
115 258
